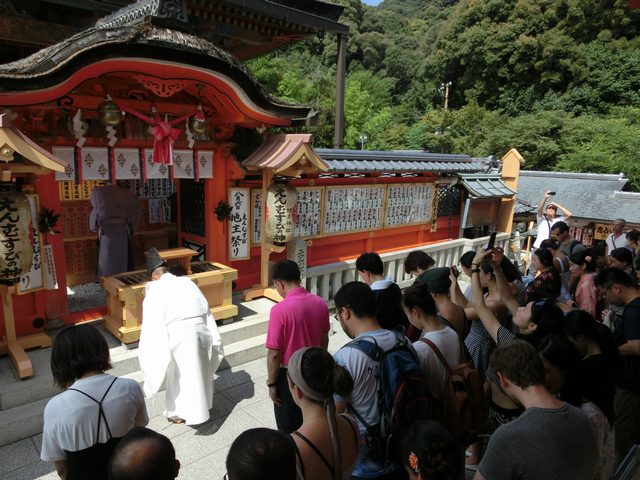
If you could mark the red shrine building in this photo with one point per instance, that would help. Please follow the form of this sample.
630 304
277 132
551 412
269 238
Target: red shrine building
157 94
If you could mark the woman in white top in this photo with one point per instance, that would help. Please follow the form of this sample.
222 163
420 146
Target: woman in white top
420 308
83 424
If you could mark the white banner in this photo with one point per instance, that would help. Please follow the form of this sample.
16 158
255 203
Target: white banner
32 280
155 170
239 223
205 163
66 155
183 164
127 163
95 164
50 268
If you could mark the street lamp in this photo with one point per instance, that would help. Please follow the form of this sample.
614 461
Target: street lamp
445 86
363 139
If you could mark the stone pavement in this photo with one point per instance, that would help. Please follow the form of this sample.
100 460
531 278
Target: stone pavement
241 401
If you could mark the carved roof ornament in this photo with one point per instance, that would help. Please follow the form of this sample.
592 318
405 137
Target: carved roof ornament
165 13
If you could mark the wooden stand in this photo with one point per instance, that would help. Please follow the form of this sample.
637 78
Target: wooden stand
262 289
125 293
16 347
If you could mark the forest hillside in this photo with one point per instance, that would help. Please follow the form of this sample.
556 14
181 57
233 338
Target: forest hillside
557 79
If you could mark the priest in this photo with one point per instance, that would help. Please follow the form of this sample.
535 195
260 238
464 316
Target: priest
115 216
179 343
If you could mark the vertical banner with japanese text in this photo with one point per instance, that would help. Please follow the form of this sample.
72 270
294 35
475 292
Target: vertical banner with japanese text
239 221
33 280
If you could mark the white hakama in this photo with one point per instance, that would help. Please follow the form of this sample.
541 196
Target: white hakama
179 343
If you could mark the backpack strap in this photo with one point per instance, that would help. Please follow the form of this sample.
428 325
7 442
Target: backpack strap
370 349
438 353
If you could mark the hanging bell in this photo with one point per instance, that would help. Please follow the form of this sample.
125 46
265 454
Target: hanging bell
198 123
109 114
6 153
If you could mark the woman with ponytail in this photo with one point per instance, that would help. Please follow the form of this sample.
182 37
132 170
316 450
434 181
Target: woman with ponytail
326 443
583 267
421 311
429 452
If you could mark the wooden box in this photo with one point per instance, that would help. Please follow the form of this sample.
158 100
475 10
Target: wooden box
125 293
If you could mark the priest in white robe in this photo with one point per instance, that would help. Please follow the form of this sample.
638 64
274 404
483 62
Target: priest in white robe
179 343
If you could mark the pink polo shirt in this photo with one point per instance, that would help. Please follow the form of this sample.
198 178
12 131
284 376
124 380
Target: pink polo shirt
300 320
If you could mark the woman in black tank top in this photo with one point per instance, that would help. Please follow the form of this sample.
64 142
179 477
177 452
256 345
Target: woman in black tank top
81 353
327 444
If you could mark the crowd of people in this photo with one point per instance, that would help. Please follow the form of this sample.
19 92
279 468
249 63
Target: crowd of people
558 353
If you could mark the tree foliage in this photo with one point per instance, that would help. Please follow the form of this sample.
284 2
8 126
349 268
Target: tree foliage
557 79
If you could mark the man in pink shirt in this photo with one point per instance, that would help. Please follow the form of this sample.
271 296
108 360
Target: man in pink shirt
300 320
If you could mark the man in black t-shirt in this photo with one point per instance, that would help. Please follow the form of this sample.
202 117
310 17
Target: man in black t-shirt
618 289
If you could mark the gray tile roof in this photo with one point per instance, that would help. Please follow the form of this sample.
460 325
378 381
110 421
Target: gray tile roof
400 161
485 186
592 196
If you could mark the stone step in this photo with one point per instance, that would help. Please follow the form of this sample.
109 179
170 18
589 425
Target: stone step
22 402
244 351
25 419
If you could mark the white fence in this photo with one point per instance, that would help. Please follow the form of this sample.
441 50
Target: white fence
326 280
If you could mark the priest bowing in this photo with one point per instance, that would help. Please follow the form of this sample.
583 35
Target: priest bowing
179 343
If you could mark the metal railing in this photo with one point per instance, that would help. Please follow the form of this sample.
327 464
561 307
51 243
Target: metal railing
326 280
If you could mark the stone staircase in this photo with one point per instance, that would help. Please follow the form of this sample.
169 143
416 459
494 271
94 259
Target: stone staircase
22 402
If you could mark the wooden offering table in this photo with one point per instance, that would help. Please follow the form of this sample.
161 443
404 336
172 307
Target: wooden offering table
125 291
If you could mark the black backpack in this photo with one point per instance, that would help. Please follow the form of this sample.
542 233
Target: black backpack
403 394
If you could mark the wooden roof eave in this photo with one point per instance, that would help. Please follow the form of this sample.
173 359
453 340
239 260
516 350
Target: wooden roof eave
16 140
286 155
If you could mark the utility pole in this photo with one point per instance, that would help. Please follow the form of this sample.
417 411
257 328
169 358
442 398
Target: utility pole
446 87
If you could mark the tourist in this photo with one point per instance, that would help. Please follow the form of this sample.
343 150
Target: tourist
327 443
583 267
546 218
565 379
429 452
547 282
617 237
561 265
551 439
115 217
262 453
144 455
622 258
418 262
421 311
566 244
619 289
438 284
180 345
355 310
633 244
387 294
531 322
77 437
300 320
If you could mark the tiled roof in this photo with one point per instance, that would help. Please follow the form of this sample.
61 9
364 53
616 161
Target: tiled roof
399 161
485 186
591 196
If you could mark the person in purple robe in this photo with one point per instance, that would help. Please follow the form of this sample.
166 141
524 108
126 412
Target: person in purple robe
115 216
